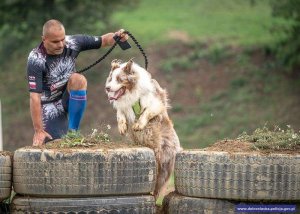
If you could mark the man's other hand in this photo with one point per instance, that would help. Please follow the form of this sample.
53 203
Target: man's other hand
39 137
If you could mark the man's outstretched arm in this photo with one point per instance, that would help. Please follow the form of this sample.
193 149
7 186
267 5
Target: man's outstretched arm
36 115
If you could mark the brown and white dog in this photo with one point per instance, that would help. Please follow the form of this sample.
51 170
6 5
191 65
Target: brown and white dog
141 106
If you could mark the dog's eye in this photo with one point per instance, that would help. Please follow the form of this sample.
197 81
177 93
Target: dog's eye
121 78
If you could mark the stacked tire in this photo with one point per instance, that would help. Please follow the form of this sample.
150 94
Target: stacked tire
219 182
5 180
5 175
84 180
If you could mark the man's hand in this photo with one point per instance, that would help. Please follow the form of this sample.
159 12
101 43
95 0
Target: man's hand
108 39
121 33
36 115
39 137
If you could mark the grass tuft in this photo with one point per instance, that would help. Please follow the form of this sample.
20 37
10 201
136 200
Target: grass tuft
76 139
276 139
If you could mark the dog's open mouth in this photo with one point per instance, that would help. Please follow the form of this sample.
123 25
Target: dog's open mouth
115 95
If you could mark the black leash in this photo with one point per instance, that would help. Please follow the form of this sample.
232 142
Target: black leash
117 39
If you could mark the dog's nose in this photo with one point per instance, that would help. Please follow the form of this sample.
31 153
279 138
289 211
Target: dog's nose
107 89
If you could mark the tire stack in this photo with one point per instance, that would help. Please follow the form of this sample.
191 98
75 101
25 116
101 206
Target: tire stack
217 182
84 181
5 179
5 174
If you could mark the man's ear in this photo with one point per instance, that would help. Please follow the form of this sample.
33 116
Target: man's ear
128 66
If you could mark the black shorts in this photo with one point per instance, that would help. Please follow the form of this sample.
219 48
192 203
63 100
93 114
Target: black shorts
55 117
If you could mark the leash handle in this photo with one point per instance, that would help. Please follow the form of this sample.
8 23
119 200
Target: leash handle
117 39
124 45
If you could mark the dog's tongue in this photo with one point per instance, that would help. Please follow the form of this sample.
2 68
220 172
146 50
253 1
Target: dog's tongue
117 94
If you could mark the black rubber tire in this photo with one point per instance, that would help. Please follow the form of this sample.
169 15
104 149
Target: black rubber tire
84 172
117 204
174 203
177 204
5 175
240 176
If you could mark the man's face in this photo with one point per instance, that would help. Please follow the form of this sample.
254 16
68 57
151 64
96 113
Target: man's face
54 41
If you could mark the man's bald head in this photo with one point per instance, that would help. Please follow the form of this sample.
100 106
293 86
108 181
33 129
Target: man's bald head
51 26
53 37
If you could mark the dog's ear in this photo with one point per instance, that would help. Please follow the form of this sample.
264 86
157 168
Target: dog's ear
115 64
128 66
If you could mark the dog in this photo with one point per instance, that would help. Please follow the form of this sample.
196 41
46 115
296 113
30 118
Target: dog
141 106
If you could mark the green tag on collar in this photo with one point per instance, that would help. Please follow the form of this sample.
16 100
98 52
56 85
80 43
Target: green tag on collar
137 109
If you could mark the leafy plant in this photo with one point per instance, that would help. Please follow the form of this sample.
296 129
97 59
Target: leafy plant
276 139
75 138
72 139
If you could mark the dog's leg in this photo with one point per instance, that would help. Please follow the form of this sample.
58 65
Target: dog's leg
158 173
122 124
144 119
166 166
163 177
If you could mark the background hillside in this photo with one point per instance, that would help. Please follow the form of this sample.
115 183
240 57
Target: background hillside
213 57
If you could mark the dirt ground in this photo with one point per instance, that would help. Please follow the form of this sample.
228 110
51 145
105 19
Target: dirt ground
60 146
5 153
233 146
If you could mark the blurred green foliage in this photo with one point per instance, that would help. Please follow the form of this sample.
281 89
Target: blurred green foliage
288 48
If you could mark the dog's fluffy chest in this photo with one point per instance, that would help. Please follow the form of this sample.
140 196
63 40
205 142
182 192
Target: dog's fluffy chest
144 101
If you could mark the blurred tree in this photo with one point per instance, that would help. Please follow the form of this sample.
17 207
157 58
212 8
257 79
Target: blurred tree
20 20
288 49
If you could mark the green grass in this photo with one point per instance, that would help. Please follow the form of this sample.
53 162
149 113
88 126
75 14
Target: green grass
235 22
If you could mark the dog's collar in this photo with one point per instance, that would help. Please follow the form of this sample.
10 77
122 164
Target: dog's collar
137 109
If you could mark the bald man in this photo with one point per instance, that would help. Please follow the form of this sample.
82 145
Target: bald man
57 92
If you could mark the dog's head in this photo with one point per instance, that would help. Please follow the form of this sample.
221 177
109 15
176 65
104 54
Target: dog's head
121 80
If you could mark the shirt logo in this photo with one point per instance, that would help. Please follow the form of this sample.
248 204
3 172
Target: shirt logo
32 85
31 77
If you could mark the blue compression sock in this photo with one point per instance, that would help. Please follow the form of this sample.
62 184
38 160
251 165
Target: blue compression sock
77 104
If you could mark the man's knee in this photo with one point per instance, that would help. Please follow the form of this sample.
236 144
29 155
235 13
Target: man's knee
77 82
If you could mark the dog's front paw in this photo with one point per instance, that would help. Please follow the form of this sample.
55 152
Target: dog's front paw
138 126
122 128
